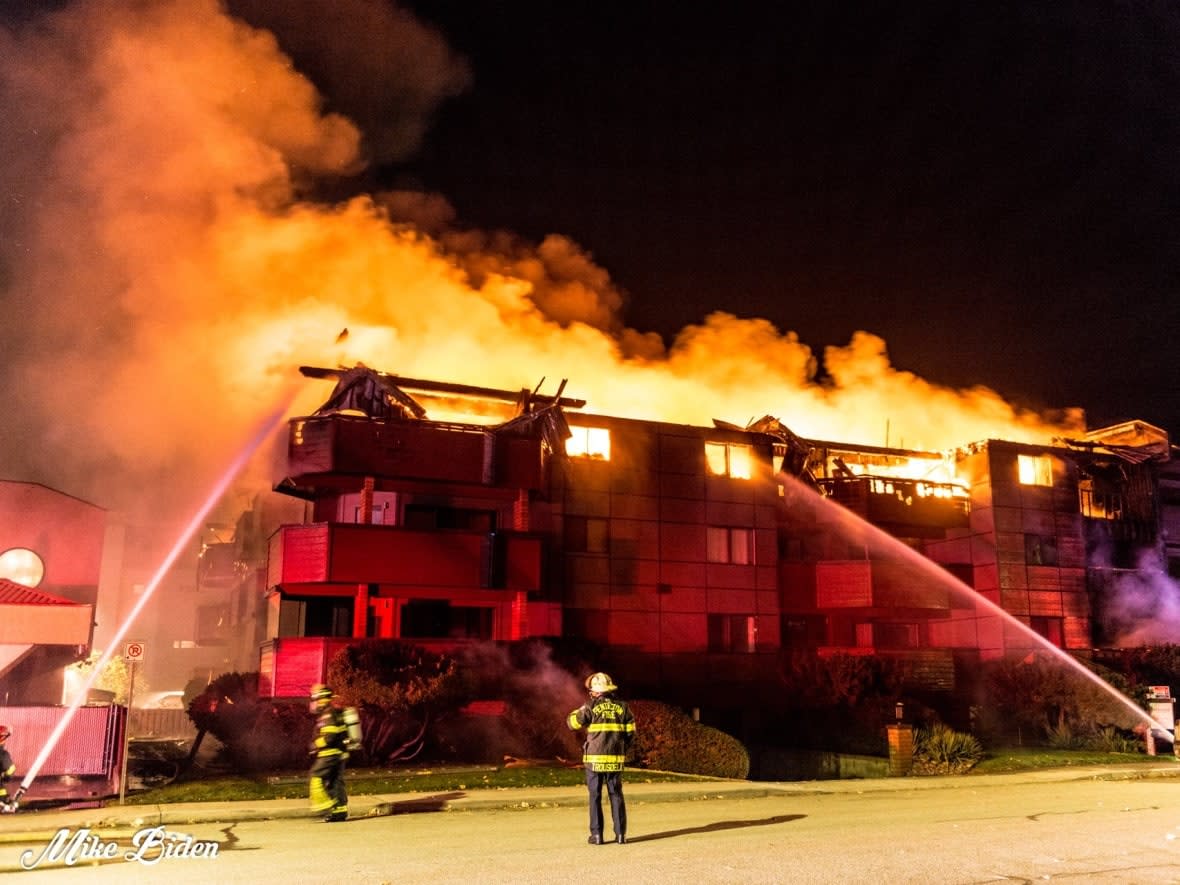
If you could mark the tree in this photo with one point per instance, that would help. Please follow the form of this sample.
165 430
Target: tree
114 677
398 690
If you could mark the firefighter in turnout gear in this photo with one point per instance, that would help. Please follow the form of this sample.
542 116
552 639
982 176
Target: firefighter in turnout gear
610 729
330 751
7 770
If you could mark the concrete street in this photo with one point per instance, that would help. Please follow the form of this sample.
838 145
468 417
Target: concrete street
1111 825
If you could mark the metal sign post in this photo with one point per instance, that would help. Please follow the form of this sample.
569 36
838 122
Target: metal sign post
132 655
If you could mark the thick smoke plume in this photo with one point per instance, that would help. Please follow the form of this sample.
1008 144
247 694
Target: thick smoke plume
161 277
1143 605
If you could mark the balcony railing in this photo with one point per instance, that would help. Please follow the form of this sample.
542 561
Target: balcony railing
348 553
411 450
895 501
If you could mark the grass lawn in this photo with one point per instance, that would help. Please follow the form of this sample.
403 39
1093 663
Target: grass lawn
204 787
1011 759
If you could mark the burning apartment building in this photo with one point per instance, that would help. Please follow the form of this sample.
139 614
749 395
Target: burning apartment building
695 557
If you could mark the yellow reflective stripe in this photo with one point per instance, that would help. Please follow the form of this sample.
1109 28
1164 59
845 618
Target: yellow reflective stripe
574 721
611 726
591 757
11 770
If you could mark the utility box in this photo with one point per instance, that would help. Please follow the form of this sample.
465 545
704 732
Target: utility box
901 749
1161 705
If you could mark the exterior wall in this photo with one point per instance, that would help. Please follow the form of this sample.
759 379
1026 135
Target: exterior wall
66 532
1028 555
68 535
623 551
646 589
1169 486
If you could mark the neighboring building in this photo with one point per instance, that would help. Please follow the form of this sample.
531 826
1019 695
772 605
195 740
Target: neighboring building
691 555
229 622
51 547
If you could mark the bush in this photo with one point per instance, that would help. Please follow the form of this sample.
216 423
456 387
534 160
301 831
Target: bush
258 734
399 689
668 739
938 749
1114 740
1043 699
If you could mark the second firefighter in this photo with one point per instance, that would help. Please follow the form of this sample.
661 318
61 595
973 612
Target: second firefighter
330 751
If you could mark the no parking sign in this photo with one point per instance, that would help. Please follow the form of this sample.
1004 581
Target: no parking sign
133 652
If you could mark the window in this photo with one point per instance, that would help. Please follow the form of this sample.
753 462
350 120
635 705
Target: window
729 459
383 508
894 634
438 619
1040 550
327 616
804 631
22 566
732 633
732 545
586 534
1096 504
1035 470
588 442
1050 628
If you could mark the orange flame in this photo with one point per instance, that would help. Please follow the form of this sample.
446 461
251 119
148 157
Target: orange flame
170 279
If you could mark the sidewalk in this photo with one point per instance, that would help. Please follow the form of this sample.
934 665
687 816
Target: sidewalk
30 825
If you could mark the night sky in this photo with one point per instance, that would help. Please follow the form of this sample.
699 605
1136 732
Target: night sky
992 188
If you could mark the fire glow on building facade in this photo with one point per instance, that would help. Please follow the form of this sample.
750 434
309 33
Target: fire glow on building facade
691 556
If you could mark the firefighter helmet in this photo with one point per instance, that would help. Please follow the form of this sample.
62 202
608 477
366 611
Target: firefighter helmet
600 683
5 733
321 692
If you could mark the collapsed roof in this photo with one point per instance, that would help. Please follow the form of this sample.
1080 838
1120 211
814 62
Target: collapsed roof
383 396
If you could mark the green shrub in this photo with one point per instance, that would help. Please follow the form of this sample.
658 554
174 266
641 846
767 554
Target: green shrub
1113 740
939 749
668 739
1060 736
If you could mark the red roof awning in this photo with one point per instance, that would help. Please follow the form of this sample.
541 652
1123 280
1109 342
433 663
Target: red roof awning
12 593
30 617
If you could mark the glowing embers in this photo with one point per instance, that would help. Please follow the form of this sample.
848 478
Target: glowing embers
22 566
906 490
588 442
730 459
1034 470
1098 503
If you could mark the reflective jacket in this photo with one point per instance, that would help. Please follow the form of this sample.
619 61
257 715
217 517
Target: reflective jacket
331 734
610 728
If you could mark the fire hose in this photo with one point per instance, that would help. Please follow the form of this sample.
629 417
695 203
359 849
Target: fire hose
11 805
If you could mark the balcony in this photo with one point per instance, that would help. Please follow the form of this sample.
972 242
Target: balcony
910 503
348 553
322 448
